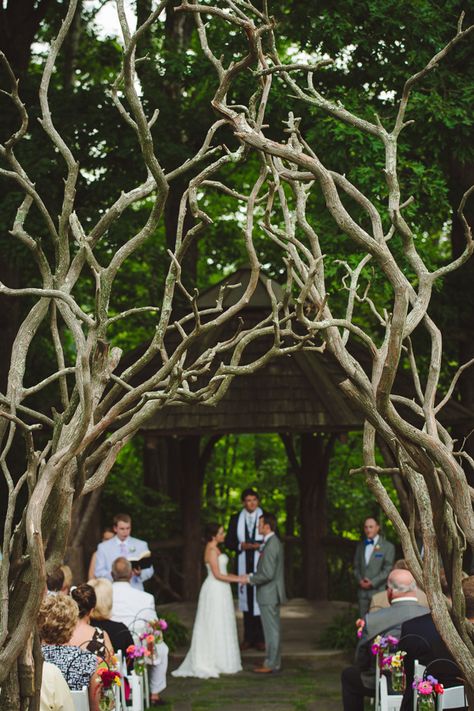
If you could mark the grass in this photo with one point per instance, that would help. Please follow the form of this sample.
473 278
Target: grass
302 686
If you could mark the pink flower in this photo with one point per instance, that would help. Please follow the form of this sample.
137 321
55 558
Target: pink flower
163 625
425 688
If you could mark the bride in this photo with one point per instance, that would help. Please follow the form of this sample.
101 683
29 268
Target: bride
214 646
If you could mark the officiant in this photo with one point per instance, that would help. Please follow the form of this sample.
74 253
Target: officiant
243 538
123 545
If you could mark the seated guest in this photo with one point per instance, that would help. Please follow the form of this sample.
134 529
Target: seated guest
421 640
55 693
359 680
119 633
107 534
380 599
135 608
86 636
55 581
57 619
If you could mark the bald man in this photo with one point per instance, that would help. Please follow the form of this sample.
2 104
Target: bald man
135 608
359 680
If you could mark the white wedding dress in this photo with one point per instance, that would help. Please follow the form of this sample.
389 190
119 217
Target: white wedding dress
214 646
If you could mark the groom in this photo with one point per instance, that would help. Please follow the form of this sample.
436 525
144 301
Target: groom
270 583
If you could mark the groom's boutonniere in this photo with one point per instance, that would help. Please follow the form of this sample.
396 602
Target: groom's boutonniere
132 549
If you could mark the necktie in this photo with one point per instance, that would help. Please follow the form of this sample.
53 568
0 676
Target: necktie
369 541
123 550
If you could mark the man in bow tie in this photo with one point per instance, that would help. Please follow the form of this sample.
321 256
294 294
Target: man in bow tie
373 562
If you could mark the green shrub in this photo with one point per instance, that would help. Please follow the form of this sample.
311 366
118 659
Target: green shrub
177 634
341 633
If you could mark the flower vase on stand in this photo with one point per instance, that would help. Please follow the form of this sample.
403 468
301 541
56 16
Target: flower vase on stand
398 680
426 703
107 701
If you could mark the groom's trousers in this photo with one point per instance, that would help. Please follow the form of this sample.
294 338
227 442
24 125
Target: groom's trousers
270 615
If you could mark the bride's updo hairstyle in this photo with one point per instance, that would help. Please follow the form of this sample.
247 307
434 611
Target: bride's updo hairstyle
210 531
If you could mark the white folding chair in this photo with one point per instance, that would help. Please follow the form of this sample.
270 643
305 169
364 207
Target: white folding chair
81 699
136 689
454 697
377 685
388 702
418 671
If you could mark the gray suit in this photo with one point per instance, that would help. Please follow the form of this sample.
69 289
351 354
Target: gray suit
270 581
389 620
379 566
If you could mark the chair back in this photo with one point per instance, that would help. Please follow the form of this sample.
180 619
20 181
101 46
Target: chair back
388 702
418 672
136 687
81 699
454 697
377 685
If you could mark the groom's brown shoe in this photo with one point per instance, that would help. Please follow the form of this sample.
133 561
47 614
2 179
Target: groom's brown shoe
263 670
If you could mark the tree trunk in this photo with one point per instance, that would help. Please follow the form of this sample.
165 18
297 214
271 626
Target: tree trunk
311 473
315 456
191 516
290 507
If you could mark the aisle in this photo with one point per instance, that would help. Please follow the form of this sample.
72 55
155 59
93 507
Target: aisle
309 681
301 686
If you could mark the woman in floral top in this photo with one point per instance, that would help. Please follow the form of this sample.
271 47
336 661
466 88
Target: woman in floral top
57 619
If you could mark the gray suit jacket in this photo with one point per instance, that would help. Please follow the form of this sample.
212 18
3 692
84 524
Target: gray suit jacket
270 575
389 620
380 563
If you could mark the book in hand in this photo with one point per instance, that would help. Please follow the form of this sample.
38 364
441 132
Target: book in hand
142 560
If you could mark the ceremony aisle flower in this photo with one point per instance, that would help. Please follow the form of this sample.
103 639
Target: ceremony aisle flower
428 689
152 636
394 664
381 646
109 679
138 655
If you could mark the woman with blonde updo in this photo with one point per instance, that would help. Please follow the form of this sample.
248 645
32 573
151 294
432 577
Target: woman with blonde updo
57 619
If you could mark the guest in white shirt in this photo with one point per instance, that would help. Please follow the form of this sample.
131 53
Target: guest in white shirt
135 608
55 693
122 545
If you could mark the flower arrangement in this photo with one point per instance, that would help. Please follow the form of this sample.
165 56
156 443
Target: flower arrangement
427 689
137 654
381 646
360 624
395 665
109 678
153 635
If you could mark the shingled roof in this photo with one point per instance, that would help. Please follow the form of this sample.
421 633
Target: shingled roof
297 393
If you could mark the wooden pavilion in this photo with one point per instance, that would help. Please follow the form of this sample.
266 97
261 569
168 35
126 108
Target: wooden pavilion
295 394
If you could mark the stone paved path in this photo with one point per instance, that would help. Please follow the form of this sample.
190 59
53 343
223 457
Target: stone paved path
309 681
